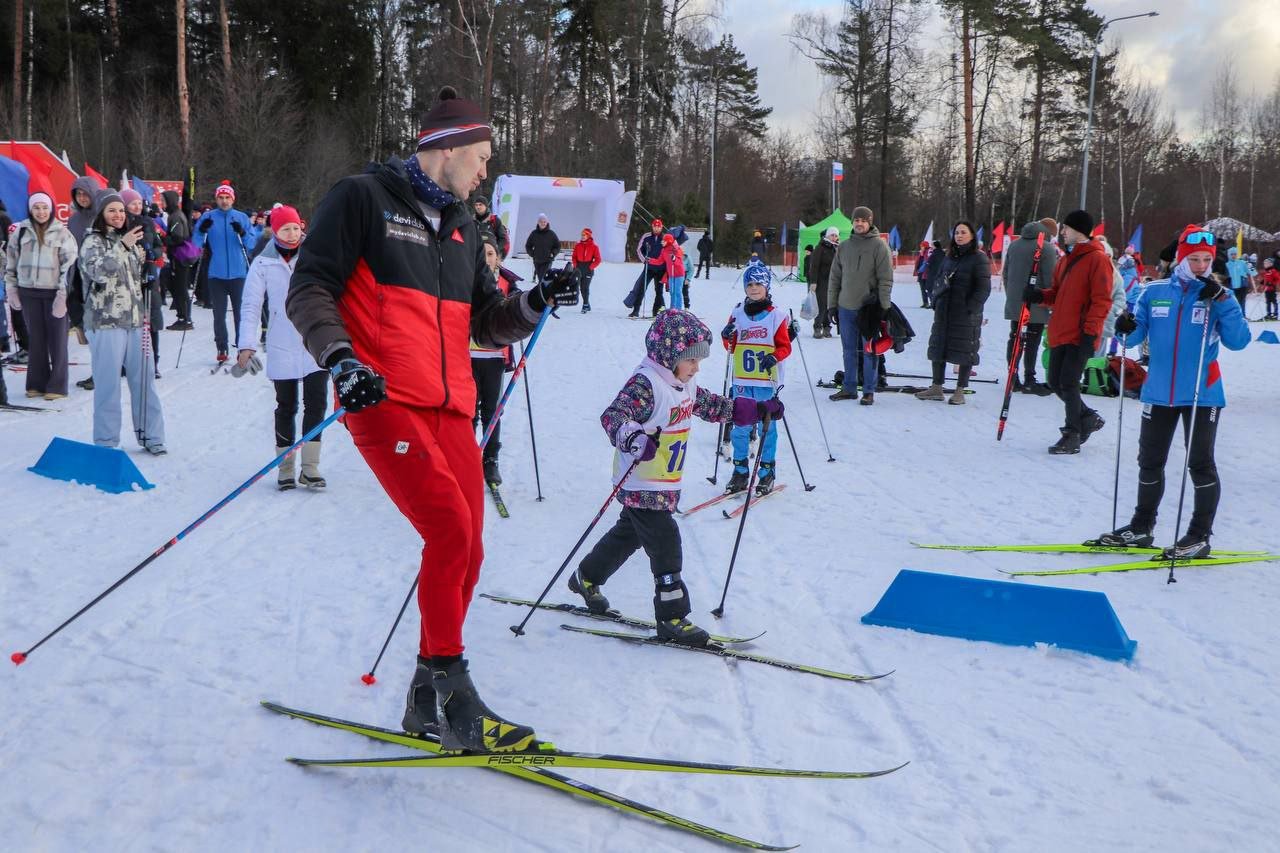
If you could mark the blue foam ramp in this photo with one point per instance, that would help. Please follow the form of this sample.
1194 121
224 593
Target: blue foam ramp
108 468
1016 614
1268 337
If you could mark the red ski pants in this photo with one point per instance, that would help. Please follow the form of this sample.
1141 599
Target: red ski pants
428 462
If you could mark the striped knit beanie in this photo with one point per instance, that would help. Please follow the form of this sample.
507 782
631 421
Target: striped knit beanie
453 122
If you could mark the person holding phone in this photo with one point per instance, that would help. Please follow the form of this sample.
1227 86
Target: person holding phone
111 266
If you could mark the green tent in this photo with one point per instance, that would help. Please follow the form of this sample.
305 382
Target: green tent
811 234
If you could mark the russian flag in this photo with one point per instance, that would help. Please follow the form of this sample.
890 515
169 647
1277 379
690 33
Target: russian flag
837 171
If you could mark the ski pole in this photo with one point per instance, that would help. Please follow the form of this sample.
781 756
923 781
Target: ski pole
1191 434
195 278
1024 316
724 392
809 381
368 677
533 438
518 630
1115 491
751 487
808 487
141 432
20 657
515 376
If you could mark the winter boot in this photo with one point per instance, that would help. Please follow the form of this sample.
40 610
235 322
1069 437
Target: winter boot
933 392
1129 536
311 466
1193 546
738 482
868 399
284 474
1090 423
682 631
957 397
764 483
1068 444
86 384
842 394
466 722
492 475
1038 389
420 704
671 609
590 592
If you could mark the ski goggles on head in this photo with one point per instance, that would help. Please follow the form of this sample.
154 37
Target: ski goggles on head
1195 238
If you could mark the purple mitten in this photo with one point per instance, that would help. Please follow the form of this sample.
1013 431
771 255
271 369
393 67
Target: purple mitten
744 412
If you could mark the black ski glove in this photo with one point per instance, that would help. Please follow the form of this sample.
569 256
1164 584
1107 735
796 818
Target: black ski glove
1126 323
358 386
834 315
729 332
1211 290
206 222
1088 343
237 227
559 288
1032 295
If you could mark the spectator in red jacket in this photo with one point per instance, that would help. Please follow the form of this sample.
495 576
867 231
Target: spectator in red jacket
1081 299
673 266
586 257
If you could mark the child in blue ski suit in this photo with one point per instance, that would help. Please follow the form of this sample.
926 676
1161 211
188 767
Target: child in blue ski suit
758 340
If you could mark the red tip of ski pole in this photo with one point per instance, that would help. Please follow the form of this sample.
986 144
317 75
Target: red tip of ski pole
368 678
18 658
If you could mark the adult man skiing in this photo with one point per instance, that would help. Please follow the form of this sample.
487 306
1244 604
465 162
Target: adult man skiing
392 283
1183 318
226 231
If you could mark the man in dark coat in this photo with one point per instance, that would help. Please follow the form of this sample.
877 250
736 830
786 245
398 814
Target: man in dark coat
488 221
1018 260
542 245
706 248
824 253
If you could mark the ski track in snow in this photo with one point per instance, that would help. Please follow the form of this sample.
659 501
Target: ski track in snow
138 728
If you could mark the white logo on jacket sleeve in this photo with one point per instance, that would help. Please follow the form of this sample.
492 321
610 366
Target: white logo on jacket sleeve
402 447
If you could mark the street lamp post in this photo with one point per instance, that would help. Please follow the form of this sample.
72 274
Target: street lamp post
1093 77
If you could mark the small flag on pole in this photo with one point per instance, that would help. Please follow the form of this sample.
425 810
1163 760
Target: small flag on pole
1136 240
928 235
101 180
837 170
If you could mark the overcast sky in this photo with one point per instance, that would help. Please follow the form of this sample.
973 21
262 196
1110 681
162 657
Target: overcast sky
1178 51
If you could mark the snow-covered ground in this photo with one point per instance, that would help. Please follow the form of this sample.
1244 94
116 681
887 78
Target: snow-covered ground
139 728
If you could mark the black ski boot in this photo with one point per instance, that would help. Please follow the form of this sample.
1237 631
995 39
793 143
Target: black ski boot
738 482
1193 546
1129 536
764 483
1090 423
492 475
1067 445
682 631
420 704
590 592
465 722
